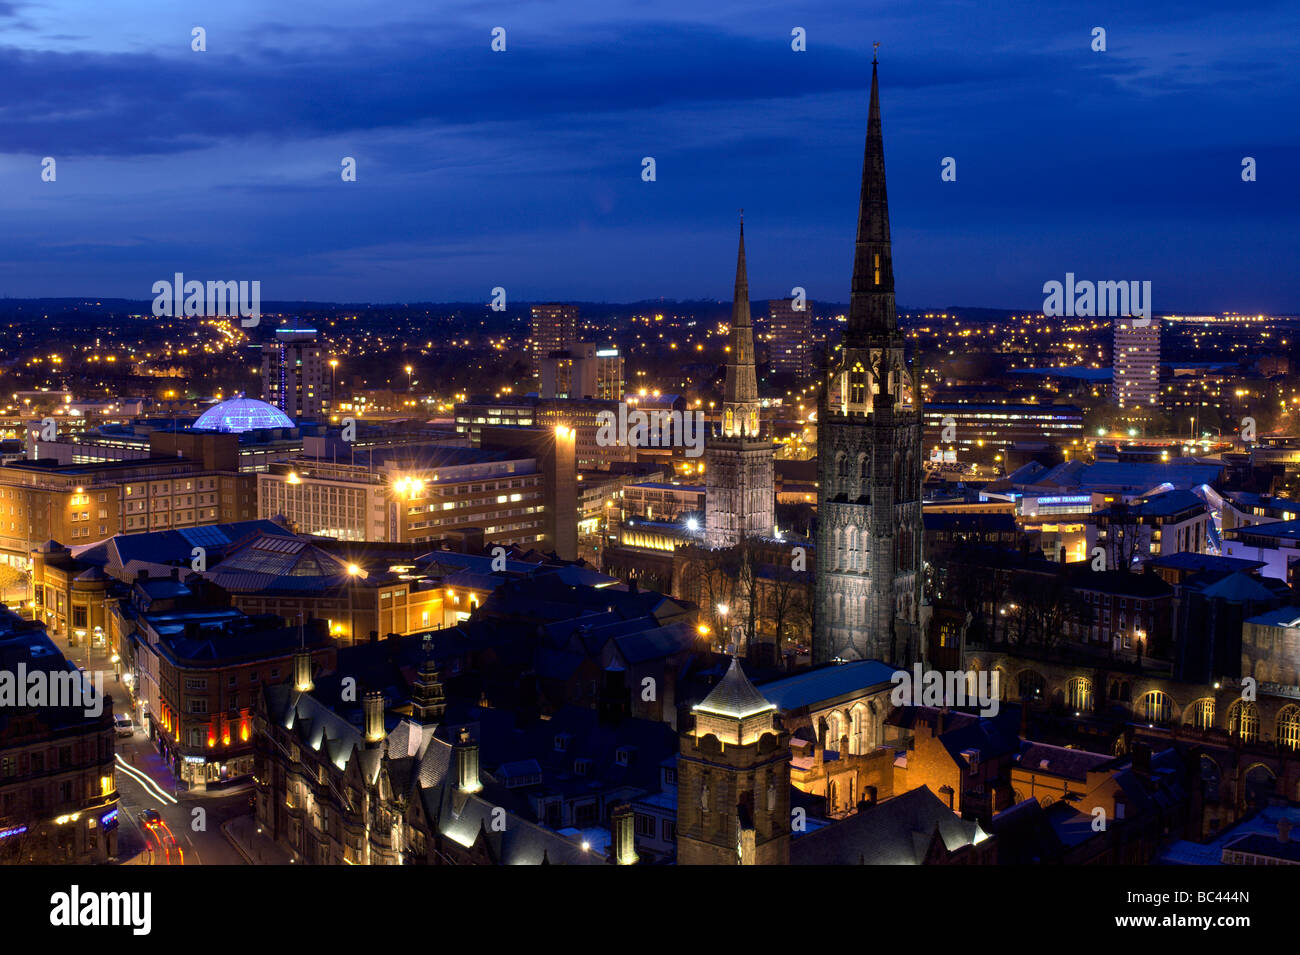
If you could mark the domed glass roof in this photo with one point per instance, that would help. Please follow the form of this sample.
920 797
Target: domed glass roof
237 415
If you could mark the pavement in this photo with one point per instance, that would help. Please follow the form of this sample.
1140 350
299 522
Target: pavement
255 845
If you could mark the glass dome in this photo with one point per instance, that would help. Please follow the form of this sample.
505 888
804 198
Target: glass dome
237 415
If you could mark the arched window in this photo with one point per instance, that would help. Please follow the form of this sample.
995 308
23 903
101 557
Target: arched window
858 738
1200 714
835 729
1155 707
1243 721
1031 684
1080 696
1288 727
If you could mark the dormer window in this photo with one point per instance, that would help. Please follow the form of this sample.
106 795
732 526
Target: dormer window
582 767
562 742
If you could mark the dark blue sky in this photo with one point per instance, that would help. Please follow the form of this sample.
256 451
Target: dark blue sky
522 169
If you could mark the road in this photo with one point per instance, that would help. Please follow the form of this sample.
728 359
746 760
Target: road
189 830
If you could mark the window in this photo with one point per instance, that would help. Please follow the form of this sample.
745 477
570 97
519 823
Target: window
645 825
857 384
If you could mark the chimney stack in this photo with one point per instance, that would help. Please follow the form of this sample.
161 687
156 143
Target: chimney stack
467 780
302 681
624 842
372 707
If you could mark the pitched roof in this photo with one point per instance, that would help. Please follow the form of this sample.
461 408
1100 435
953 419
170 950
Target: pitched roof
826 683
899 831
734 696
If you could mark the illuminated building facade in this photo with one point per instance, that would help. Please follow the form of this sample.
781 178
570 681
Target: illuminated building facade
197 670
583 370
981 432
420 493
1136 361
580 415
81 503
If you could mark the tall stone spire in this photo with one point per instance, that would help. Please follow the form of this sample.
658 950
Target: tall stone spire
738 496
871 309
740 396
869 452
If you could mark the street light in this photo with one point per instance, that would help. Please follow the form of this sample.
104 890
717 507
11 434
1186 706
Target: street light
334 364
410 385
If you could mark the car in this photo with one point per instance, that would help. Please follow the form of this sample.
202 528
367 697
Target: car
123 723
151 818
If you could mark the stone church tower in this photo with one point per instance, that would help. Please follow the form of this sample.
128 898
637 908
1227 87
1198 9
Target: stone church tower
738 463
869 453
733 779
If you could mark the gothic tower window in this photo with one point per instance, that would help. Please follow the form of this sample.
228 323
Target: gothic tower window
877 268
857 384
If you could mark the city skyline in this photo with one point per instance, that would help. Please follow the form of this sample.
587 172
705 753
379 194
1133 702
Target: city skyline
1067 159
532 580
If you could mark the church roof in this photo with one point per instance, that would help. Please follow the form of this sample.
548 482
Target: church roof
827 683
735 696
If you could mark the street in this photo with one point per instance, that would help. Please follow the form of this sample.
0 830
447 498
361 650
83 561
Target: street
188 830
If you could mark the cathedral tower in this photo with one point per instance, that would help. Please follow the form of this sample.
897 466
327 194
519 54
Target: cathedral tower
869 450
738 463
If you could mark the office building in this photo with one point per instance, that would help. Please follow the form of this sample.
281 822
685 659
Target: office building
583 370
555 328
295 377
789 337
80 503
514 493
1136 361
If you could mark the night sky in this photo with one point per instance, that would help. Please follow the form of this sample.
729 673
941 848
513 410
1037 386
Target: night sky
523 169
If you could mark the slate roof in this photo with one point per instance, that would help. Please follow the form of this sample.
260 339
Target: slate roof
1281 617
826 683
898 831
734 696
1059 761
